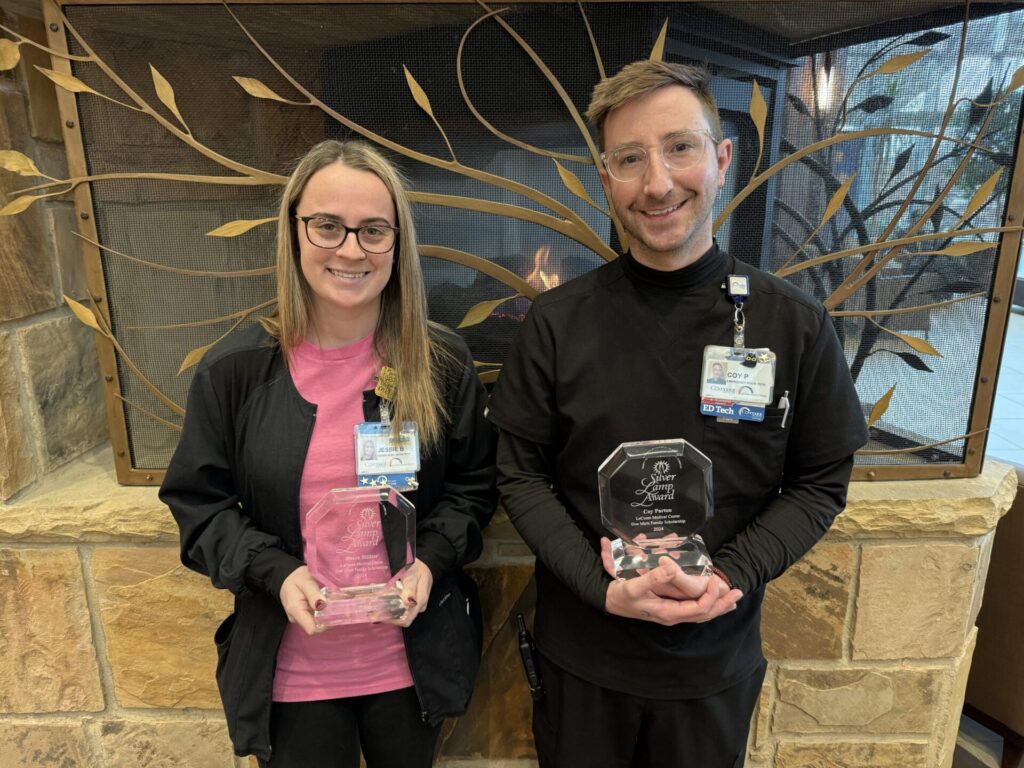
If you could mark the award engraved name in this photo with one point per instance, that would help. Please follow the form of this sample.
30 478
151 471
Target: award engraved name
656 497
359 543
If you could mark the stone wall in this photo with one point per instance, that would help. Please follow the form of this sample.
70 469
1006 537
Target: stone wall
108 657
51 402
870 636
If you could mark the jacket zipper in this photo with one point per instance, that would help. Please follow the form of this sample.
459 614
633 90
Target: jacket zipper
266 730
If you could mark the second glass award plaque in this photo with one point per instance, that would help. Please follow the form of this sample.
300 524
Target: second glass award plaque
656 497
359 543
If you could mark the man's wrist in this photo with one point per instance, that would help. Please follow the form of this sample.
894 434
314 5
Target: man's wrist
721 574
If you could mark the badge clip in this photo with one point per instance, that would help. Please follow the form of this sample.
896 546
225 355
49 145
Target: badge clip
737 288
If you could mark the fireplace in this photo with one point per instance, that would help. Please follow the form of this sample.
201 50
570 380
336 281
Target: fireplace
186 118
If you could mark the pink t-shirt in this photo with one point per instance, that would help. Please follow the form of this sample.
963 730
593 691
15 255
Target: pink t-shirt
357 659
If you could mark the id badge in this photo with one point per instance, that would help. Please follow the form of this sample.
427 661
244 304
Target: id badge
383 461
737 382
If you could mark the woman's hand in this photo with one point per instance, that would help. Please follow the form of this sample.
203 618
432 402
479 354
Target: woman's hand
300 596
416 585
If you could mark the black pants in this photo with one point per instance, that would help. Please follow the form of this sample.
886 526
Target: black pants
581 724
329 734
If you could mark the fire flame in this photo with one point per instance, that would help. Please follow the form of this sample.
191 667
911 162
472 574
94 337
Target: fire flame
543 276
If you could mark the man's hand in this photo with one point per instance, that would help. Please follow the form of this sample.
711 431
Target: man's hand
300 596
416 585
666 595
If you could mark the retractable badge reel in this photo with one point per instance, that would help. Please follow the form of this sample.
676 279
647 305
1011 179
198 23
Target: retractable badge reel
737 288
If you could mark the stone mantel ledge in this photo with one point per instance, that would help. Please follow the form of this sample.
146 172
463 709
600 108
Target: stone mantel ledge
966 507
82 502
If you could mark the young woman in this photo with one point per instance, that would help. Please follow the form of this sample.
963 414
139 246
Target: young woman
270 429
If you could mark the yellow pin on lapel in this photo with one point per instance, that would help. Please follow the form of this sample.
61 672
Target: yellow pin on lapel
387 383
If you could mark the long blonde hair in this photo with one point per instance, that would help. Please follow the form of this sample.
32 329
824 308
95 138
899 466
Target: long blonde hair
403 338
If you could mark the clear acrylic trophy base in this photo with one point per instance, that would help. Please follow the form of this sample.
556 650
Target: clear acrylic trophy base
360 605
632 557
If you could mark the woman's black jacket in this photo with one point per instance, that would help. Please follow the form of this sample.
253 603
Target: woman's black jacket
233 488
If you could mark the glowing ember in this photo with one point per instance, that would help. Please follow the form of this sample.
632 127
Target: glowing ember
543 276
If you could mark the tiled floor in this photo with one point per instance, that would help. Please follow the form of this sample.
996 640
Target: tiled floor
976 746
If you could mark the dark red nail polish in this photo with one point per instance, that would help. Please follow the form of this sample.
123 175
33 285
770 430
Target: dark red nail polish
320 605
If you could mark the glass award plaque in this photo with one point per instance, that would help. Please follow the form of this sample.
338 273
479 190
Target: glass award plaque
359 543
656 497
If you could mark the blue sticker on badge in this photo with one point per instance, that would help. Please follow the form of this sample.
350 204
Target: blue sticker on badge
403 481
727 410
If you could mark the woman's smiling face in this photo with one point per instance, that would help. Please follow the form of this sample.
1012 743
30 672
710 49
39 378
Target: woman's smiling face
345 282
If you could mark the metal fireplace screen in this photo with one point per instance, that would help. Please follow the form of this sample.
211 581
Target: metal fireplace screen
872 168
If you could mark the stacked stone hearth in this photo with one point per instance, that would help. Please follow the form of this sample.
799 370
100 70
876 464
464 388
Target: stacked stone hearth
108 661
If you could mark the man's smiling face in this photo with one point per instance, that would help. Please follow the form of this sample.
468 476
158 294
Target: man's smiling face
666 212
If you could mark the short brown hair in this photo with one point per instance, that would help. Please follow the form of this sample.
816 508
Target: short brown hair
643 77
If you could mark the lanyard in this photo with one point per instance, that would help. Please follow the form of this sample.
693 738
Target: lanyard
737 288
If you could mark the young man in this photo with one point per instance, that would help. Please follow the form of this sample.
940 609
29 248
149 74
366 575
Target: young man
664 669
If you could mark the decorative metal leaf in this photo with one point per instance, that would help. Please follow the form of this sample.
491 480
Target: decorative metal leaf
920 345
873 103
82 313
1017 80
17 205
914 361
981 195
489 377
193 357
658 51
879 409
573 184
10 54
254 87
979 104
798 104
238 227
897 63
928 38
837 200
900 162
961 249
417 93
483 310
165 93
916 343
758 109
759 114
19 163
67 82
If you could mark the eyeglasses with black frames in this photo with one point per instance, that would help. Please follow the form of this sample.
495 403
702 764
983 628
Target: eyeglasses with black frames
327 232
679 151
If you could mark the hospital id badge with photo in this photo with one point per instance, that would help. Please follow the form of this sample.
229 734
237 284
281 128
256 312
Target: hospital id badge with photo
381 460
737 382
